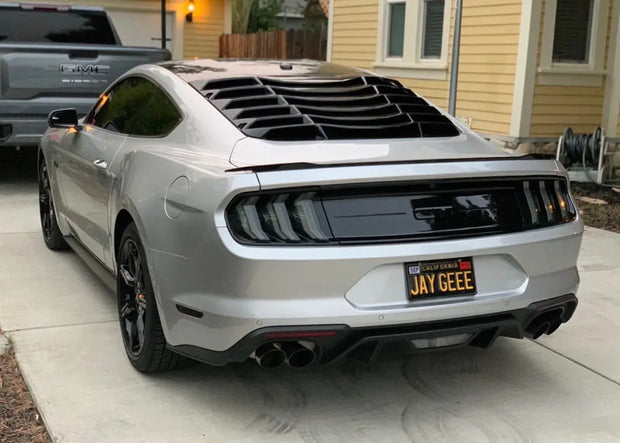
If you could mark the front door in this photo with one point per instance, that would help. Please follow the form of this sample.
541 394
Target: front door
86 183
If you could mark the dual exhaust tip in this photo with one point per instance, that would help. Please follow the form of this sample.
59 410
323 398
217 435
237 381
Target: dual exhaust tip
546 323
297 354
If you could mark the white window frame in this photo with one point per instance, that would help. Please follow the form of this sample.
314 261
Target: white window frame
411 64
574 74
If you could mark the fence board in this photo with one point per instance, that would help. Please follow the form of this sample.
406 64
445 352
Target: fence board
282 44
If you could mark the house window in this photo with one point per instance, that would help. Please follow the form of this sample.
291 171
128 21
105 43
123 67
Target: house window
573 26
573 42
397 30
413 38
433 28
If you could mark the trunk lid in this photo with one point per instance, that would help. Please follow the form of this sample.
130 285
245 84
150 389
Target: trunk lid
251 152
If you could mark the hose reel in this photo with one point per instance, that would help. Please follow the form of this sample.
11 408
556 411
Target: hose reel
585 156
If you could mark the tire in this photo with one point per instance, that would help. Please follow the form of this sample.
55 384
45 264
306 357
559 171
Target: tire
49 226
143 336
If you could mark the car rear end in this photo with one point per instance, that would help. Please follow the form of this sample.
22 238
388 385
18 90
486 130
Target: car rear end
391 225
54 57
330 256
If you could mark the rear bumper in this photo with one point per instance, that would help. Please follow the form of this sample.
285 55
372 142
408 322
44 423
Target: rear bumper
235 290
23 131
334 342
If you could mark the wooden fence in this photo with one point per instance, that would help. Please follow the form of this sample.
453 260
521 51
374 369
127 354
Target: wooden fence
292 44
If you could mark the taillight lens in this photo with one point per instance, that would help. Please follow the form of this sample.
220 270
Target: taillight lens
391 213
547 202
292 217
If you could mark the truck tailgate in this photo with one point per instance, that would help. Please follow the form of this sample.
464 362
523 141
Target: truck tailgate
31 71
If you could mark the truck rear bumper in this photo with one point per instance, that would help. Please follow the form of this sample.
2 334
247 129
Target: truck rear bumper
23 122
22 132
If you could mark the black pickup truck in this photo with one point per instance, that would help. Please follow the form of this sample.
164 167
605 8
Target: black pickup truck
55 57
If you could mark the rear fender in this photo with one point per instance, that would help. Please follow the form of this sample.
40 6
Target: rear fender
172 197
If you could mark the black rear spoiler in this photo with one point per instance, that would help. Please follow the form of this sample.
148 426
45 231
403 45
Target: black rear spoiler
302 165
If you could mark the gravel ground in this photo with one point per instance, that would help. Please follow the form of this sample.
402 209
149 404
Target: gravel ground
599 206
19 419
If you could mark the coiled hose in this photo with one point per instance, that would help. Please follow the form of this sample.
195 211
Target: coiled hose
584 149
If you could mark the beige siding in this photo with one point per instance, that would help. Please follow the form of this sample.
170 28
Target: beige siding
557 107
489 44
355 32
202 36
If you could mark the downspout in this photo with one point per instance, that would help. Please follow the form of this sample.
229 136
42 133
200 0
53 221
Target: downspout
456 50
163 24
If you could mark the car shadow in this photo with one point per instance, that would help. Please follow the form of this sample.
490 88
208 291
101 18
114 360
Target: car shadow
436 396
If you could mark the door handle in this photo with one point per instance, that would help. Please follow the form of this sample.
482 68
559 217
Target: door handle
100 163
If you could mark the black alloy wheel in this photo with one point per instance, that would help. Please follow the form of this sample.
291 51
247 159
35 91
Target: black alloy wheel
51 232
143 336
133 299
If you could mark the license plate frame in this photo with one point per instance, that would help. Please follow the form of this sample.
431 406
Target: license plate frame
451 277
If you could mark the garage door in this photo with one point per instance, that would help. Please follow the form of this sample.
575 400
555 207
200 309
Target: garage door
142 28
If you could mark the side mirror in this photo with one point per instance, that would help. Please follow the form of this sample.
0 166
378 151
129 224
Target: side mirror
63 118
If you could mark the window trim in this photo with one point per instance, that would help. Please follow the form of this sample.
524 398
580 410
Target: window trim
89 116
574 74
411 65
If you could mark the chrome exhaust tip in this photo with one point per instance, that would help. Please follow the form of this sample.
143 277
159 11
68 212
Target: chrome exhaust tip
298 354
268 356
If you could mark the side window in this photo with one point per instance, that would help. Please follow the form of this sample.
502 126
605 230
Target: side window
432 36
136 107
573 29
396 37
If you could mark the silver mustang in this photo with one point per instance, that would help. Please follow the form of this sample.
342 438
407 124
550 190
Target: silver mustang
294 212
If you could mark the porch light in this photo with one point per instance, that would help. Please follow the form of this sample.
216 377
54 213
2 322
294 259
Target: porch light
189 17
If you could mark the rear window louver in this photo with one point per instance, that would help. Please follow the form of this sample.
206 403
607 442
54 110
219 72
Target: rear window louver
355 108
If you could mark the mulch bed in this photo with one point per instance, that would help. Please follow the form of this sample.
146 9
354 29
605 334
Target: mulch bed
603 216
19 419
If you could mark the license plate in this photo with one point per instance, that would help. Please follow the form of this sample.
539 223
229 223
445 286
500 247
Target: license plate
440 278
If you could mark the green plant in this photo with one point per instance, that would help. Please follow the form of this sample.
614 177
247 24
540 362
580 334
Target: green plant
264 15
240 15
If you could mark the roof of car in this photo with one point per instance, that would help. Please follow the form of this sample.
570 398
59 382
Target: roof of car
208 69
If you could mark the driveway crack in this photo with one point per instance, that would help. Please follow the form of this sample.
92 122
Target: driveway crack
34 328
600 374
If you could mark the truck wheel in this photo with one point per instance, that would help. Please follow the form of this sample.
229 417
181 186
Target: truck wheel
51 232
141 329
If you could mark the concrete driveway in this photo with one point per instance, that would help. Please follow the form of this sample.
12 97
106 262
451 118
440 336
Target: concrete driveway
63 322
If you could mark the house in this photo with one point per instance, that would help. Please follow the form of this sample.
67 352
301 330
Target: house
292 15
138 22
528 68
317 14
